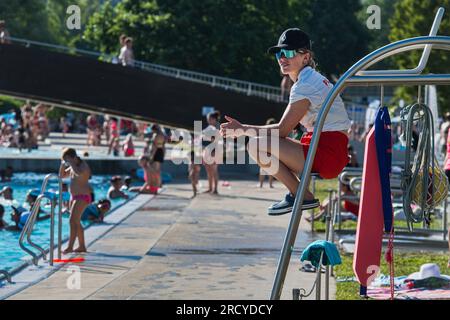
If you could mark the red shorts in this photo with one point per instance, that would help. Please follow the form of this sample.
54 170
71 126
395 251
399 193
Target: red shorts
331 155
351 207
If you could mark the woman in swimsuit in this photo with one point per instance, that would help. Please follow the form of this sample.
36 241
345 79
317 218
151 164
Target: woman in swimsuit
128 146
114 135
79 173
157 153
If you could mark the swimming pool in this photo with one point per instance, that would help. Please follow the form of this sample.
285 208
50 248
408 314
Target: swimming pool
11 256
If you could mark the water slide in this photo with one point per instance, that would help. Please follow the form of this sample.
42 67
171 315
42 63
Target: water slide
86 84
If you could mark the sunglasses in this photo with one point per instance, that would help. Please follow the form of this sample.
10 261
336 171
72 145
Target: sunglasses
287 53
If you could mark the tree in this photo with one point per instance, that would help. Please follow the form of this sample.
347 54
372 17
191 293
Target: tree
229 37
45 20
340 39
378 37
57 17
223 37
26 19
414 18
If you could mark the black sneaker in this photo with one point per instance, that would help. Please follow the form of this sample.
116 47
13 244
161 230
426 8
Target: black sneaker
286 205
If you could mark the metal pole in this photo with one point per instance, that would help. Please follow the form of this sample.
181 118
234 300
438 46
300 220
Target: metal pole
60 218
52 230
319 278
295 294
444 219
339 207
333 219
327 238
313 190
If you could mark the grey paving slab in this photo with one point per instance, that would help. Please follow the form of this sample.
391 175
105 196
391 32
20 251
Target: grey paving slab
211 247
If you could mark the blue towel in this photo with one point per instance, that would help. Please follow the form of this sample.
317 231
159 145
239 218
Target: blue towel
313 250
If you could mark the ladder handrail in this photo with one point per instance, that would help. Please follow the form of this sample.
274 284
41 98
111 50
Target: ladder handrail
28 228
7 275
52 213
29 225
423 60
289 241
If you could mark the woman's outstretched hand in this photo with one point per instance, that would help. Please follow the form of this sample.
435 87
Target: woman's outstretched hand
232 128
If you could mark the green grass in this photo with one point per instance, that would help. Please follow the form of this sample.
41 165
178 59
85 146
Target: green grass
404 264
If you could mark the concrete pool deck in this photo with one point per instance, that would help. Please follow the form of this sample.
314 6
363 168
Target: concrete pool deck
172 247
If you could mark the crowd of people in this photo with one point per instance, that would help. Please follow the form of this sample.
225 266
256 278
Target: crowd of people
302 84
78 200
23 128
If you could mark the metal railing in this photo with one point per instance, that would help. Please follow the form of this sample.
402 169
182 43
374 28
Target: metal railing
6 275
29 225
351 78
354 179
271 93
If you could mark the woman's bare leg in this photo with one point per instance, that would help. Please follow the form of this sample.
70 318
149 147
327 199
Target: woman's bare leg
261 180
290 159
72 232
157 173
215 178
209 175
76 230
78 209
271 181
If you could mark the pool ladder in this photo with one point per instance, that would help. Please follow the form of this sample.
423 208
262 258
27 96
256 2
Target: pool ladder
29 225
6 275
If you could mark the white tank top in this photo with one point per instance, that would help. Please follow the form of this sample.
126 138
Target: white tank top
313 86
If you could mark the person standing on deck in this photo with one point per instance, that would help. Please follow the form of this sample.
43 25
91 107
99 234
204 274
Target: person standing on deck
79 172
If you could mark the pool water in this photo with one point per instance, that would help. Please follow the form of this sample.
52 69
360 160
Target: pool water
11 255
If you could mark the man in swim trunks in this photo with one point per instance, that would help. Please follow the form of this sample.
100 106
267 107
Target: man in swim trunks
157 152
79 173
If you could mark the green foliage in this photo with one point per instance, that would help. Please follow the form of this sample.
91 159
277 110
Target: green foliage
340 38
228 37
45 20
414 18
379 38
56 113
7 104
26 19
57 17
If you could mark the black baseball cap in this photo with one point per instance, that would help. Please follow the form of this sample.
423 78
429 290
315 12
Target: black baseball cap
292 39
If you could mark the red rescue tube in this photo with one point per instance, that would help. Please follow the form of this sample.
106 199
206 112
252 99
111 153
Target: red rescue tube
369 233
